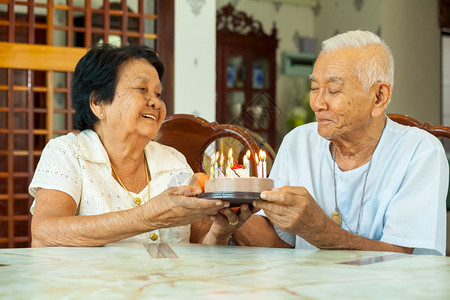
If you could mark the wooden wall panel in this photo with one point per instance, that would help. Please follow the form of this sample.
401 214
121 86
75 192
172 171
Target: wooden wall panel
40 44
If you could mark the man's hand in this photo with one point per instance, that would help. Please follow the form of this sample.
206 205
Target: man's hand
231 219
292 209
223 225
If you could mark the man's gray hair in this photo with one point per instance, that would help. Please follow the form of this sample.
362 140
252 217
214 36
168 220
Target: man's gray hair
371 68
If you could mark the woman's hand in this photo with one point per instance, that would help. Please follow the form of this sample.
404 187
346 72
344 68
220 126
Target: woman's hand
54 222
225 224
178 206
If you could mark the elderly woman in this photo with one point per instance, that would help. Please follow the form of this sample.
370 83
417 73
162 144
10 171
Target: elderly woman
111 182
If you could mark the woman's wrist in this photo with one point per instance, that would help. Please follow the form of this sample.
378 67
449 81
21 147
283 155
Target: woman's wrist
146 218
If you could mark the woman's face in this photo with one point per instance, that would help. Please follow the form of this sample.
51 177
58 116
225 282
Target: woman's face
137 108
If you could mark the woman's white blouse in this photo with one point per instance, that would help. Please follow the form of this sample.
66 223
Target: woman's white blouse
78 165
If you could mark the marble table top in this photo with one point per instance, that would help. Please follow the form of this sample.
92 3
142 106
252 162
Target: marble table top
128 271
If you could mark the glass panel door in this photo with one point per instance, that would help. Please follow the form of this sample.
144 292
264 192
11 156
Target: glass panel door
261 73
235 104
236 72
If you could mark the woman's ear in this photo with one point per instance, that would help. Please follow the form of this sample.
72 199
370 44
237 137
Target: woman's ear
383 93
97 108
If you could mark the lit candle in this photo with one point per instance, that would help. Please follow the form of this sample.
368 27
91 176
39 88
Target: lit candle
211 166
258 169
246 163
262 157
228 170
216 165
221 165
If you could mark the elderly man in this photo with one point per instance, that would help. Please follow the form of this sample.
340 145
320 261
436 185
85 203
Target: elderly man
354 179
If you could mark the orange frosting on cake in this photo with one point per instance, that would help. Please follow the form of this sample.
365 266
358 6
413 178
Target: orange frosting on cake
242 184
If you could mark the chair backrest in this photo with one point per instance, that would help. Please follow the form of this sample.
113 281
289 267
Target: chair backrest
437 131
191 135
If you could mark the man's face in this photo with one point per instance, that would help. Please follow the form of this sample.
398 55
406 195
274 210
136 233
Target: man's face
341 106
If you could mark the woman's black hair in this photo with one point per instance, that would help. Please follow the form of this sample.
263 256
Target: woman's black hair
96 76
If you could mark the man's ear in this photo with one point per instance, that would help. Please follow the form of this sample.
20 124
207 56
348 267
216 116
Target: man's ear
97 108
383 93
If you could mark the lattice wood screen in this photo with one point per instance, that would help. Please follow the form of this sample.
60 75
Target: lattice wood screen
40 43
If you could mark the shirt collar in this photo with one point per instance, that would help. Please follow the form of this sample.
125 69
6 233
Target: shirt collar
90 148
161 158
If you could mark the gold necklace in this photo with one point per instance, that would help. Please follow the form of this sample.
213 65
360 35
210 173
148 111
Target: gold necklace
137 200
336 216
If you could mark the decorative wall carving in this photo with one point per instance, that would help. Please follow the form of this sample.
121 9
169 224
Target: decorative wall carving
316 9
277 6
230 20
196 6
358 4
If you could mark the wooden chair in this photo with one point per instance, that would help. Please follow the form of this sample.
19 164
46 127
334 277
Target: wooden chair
437 131
191 135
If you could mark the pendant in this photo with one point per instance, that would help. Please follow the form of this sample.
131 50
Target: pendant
138 201
336 218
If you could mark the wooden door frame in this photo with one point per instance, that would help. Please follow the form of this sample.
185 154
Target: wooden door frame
165 45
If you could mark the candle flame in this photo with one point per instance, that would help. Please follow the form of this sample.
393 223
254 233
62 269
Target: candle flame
262 154
217 155
245 159
256 158
246 163
230 154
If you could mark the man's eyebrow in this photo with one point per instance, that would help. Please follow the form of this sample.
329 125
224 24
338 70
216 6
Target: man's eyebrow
335 79
329 79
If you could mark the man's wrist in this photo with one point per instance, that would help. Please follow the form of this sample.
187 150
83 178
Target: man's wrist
214 239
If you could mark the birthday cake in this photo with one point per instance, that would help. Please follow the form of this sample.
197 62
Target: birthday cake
233 182
239 184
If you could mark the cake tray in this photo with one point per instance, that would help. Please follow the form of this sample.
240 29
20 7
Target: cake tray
235 198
